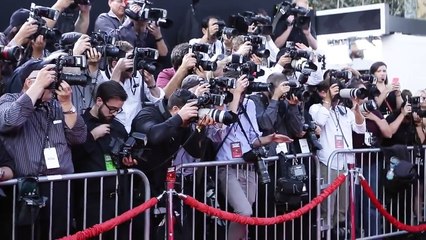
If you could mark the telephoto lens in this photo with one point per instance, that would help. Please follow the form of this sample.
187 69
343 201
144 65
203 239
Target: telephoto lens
368 106
359 93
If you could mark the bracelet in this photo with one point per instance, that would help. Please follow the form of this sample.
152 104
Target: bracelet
159 39
152 87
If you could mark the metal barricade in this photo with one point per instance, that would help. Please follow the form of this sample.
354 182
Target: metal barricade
196 225
406 205
85 182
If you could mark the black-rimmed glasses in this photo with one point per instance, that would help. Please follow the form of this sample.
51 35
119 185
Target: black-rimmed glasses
113 110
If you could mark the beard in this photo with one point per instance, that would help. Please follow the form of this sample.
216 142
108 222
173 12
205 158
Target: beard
103 118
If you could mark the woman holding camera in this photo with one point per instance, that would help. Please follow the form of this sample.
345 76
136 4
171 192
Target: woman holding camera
377 129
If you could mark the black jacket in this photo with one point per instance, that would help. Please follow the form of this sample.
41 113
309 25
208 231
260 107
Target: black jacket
165 136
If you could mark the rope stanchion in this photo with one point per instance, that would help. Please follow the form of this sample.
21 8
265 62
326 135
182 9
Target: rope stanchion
192 202
97 229
387 215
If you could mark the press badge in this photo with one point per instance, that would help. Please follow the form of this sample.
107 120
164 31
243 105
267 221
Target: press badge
304 147
368 138
236 150
338 142
109 165
281 147
51 158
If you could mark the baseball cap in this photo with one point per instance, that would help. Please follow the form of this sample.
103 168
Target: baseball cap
18 18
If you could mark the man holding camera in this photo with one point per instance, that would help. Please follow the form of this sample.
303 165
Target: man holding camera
243 137
337 123
37 131
95 155
292 29
136 31
210 30
137 88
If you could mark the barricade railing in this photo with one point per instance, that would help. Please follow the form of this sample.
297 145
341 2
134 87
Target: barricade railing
209 192
132 177
361 217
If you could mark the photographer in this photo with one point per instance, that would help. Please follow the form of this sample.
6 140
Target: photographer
234 140
138 32
210 28
75 18
137 88
168 123
288 30
95 155
377 128
51 126
336 123
176 57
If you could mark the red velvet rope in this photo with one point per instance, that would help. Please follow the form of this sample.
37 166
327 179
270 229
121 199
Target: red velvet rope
97 229
264 221
388 216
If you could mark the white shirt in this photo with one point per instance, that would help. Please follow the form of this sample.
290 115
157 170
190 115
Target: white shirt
133 104
215 49
329 121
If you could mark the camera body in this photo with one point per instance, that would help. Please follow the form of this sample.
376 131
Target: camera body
200 52
64 63
144 58
242 21
258 45
105 44
251 70
157 16
10 54
312 138
368 106
301 60
255 156
301 14
133 146
38 13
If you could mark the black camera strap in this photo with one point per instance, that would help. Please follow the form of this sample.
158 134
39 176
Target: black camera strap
340 126
244 111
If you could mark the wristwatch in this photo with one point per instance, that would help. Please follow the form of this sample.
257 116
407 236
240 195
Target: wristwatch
71 111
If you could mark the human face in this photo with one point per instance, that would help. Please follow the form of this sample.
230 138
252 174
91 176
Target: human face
381 73
117 7
212 28
108 110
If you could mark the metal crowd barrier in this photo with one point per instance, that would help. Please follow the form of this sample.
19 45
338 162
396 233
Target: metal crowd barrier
85 179
407 205
205 187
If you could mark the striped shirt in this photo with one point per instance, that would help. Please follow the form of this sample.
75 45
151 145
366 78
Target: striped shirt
24 128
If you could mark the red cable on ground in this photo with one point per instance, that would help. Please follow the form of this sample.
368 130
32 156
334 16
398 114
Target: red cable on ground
264 221
97 229
387 215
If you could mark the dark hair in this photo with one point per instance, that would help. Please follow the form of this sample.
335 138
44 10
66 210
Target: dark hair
124 47
109 90
179 98
178 52
205 21
232 74
375 66
276 79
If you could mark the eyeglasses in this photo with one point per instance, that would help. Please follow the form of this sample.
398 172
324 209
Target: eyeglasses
113 110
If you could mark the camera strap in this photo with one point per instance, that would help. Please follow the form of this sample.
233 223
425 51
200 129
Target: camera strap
340 126
244 111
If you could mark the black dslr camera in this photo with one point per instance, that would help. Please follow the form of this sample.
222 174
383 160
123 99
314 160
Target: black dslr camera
144 58
158 16
301 60
251 70
133 146
415 106
72 70
10 54
105 44
242 21
200 52
37 13
301 14
223 29
309 128
258 45
255 156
